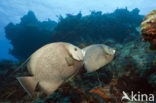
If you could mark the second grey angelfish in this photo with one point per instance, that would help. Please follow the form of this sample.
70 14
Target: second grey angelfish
97 56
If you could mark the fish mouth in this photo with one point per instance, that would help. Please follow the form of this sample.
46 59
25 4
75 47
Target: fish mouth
114 51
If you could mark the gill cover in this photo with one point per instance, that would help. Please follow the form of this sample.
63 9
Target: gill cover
75 52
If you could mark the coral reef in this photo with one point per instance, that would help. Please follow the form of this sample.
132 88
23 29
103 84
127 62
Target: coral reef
97 27
28 35
133 68
148 29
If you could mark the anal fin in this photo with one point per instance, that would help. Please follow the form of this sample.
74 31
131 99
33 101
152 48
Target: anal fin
49 87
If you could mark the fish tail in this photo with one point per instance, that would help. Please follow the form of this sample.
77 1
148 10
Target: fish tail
29 83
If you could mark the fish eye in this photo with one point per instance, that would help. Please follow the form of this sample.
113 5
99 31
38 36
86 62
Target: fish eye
75 49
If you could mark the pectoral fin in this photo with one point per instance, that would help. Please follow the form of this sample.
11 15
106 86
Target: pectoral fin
104 52
29 83
69 60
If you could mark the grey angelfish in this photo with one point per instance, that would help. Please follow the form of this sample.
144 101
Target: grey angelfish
97 56
50 66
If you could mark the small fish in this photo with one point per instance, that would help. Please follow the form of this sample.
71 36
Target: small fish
50 66
96 56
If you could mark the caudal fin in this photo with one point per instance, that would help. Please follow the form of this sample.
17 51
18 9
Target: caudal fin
29 83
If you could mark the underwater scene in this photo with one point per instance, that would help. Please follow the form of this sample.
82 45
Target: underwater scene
77 51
